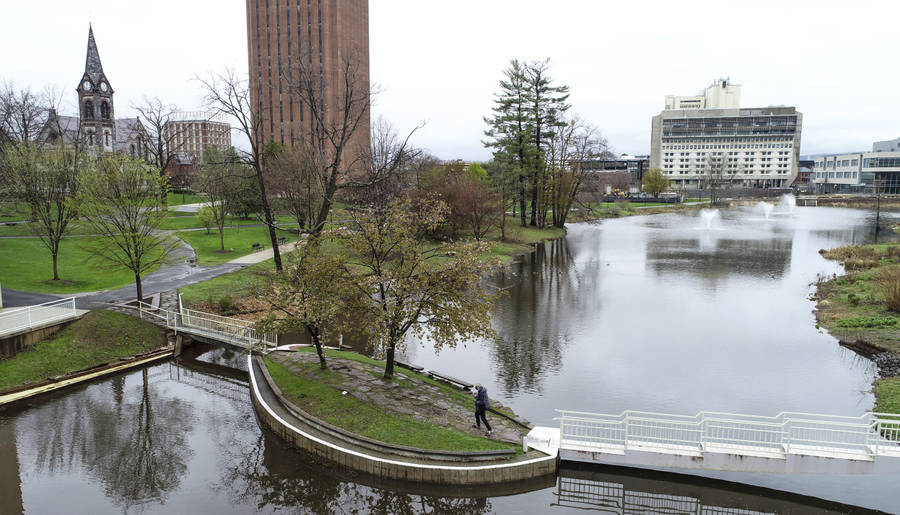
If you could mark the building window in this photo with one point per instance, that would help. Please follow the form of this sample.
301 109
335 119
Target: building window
91 139
106 134
104 110
132 150
89 110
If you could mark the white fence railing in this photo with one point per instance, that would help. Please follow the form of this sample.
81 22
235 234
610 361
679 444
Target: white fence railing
17 319
798 433
229 330
233 328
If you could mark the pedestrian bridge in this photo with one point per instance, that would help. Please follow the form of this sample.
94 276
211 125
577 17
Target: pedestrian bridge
720 441
208 326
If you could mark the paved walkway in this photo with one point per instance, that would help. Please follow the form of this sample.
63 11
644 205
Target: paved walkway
262 255
422 401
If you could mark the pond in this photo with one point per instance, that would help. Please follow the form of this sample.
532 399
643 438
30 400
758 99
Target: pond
673 312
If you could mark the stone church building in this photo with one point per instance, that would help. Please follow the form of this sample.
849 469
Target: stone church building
97 126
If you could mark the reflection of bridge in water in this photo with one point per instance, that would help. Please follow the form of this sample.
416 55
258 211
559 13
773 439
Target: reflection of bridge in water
616 498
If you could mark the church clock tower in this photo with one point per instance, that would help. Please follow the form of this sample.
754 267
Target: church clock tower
95 101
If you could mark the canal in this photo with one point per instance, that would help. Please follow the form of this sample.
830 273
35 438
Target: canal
677 313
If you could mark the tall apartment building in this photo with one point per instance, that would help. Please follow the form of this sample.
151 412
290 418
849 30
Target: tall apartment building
321 33
753 147
190 133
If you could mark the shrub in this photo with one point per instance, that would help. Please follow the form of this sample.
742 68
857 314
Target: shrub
225 303
887 283
867 322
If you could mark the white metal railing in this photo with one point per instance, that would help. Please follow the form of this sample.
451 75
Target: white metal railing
17 319
233 328
868 435
230 330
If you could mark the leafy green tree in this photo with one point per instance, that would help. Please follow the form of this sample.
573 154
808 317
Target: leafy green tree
654 182
223 180
47 179
309 295
475 170
207 217
118 201
403 283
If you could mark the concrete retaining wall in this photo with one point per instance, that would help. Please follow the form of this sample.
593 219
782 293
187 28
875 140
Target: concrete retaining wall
301 434
12 345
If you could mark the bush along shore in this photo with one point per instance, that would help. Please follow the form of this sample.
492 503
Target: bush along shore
862 310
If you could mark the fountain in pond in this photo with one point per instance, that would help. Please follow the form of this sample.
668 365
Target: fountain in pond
788 203
708 216
766 209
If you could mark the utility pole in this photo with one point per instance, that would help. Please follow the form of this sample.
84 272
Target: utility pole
877 207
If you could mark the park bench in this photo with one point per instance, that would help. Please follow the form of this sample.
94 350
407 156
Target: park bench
452 381
409 366
282 240
257 246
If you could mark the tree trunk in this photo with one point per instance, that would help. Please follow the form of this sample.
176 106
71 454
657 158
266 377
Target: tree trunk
222 238
389 363
319 350
270 220
140 290
522 214
55 271
534 198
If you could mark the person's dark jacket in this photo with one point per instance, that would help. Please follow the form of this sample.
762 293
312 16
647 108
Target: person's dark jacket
481 400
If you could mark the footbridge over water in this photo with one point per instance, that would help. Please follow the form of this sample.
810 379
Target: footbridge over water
208 327
788 442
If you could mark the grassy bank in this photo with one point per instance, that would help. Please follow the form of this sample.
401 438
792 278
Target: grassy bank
100 337
856 306
27 265
318 392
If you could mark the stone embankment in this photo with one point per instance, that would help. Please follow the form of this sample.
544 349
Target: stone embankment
386 461
888 363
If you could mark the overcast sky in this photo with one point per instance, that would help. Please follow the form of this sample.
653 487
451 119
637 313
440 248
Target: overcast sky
440 62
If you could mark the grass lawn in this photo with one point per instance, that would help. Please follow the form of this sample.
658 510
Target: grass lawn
27 266
235 284
887 394
100 337
851 307
14 211
319 393
178 199
75 229
238 242
181 221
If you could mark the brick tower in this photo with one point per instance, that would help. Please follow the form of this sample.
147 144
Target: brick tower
324 33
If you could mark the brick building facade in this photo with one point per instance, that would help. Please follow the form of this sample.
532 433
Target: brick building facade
319 35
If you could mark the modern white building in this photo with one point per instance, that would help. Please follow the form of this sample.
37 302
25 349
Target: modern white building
859 172
749 147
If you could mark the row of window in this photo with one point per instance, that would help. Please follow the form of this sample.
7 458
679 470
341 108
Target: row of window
89 110
836 175
718 146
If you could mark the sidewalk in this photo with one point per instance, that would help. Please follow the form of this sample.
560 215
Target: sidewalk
262 255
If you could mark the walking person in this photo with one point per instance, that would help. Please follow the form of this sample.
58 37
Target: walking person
481 404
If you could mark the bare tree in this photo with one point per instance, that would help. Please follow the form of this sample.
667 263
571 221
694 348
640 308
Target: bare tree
295 184
117 200
385 164
47 180
23 113
574 145
717 170
164 146
219 177
229 94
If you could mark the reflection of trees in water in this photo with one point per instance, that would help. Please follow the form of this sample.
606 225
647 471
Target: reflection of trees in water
134 441
547 296
272 475
718 259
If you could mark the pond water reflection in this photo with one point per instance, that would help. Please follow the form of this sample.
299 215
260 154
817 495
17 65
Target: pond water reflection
644 313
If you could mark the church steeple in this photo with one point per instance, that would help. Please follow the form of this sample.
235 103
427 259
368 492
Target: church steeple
95 100
92 66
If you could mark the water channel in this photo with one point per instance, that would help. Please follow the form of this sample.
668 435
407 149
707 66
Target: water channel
675 313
